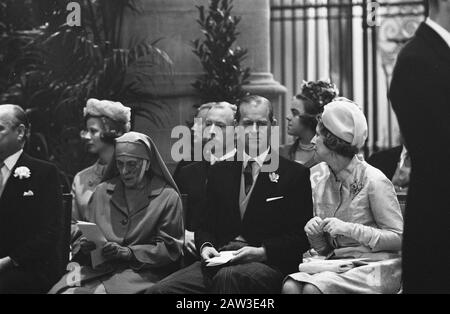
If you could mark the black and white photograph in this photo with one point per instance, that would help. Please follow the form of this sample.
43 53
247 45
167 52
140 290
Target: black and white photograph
222 154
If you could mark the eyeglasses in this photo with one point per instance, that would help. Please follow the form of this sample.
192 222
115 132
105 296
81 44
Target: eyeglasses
128 165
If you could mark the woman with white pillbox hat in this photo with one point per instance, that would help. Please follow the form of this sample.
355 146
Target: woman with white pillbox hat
356 214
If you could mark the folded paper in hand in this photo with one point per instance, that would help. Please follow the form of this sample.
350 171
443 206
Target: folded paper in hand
337 265
223 258
93 233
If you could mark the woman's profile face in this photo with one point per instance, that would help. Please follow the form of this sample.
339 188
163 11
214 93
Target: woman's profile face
94 128
321 149
295 125
130 170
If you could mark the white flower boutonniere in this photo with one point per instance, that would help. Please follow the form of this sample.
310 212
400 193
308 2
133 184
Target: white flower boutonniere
274 177
22 173
28 194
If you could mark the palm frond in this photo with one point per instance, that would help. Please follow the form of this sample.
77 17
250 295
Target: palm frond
56 68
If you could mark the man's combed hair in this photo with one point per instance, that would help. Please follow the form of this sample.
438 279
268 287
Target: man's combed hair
206 106
224 105
20 117
337 145
259 100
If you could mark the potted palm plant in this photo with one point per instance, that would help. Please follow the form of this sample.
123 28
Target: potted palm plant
51 68
224 76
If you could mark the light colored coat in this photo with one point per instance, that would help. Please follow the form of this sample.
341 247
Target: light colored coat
84 185
362 196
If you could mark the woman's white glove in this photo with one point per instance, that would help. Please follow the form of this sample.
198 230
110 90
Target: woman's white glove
336 227
314 226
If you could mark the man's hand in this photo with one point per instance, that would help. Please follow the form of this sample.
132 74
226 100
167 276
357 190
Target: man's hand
336 227
86 246
6 263
233 246
113 251
189 242
314 226
250 254
208 252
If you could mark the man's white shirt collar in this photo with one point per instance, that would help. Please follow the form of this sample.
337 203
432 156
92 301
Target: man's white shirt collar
439 29
228 155
259 160
12 160
403 156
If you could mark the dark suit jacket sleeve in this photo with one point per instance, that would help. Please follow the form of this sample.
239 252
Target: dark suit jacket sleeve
415 90
205 233
177 177
49 203
286 250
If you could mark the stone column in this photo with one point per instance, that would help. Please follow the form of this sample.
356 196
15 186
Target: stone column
175 22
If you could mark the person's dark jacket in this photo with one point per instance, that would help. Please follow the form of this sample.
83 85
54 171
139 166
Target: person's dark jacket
420 95
191 181
31 218
386 160
276 224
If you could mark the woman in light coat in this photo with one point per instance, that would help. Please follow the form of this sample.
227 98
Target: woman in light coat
357 214
138 209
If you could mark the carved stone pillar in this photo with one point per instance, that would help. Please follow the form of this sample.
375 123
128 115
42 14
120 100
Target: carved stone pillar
175 22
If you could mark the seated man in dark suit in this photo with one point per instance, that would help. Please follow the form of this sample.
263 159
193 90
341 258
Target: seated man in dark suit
30 211
259 215
191 179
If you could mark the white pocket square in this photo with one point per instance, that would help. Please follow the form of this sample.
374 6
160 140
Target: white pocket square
29 193
274 199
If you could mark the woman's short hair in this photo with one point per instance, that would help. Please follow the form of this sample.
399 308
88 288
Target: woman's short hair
309 119
335 144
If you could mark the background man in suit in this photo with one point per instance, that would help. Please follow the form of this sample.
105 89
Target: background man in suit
191 179
386 160
420 94
395 163
259 214
30 211
197 137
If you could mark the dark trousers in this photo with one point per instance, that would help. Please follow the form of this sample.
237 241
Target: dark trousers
251 278
189 259
18 281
